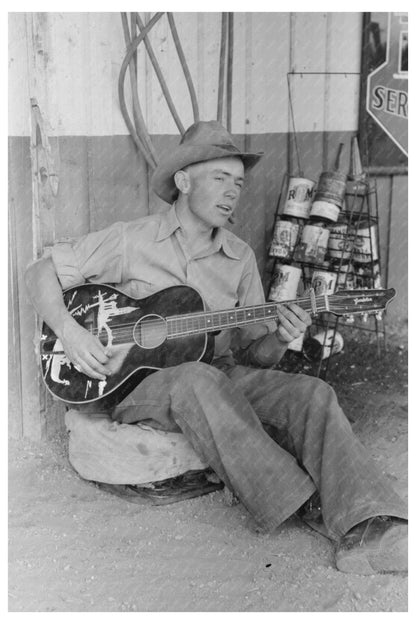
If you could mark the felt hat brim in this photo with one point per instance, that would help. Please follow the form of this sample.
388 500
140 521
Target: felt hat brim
163 183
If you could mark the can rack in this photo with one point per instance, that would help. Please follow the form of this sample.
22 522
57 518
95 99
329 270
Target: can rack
360 212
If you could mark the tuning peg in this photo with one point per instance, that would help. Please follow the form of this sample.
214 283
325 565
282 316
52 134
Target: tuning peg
364 317
349 318
379 315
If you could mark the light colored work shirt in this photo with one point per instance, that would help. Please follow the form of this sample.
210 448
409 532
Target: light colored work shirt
149 254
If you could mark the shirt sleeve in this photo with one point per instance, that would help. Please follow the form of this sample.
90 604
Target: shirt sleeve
250 292
98 256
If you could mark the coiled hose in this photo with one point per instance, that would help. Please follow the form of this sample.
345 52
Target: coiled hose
159 75
143 138
138 130
150 159
185 67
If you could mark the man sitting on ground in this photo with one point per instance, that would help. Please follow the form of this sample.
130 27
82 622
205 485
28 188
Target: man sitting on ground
223 409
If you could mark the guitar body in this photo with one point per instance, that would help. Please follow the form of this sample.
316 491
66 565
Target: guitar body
117 319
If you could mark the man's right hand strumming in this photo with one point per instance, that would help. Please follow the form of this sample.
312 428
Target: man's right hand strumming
84 349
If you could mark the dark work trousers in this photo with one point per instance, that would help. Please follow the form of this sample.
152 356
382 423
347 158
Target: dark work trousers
273 438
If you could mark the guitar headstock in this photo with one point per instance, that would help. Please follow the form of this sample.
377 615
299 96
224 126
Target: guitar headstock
365 301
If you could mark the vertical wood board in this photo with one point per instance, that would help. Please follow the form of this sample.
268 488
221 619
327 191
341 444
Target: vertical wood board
187 28
209 54
72 209
383 186
268 88
15 405
20 199
344 42
75 60
118 189
18 76
165 52
398 257
240 88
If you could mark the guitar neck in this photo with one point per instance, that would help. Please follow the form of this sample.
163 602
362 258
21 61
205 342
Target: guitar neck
344 302
201 322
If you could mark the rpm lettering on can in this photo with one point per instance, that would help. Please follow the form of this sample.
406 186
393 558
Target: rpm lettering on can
299 197
285 283
323 282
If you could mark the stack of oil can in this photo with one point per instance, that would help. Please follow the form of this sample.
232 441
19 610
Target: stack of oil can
326 237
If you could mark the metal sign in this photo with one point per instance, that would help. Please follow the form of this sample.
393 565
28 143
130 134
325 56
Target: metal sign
387 86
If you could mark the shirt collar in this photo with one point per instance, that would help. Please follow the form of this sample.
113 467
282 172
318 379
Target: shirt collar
221 240
169 223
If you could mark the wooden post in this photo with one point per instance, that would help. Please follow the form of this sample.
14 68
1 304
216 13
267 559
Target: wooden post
45 183
14 343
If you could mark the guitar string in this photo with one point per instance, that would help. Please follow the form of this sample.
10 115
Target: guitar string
192 315
199 314
126 336
186 331
163 334
240 313
306 300
123 330
182 324
185 318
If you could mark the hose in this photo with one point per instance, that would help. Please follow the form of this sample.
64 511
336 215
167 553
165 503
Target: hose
130 53
133 30
142 135
159 75
185 67
138 130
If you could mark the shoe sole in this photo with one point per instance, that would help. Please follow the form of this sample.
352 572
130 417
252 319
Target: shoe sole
129 494
390 556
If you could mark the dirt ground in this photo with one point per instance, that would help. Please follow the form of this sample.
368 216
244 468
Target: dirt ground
76 548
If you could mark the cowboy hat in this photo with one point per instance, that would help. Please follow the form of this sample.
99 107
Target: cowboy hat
204 140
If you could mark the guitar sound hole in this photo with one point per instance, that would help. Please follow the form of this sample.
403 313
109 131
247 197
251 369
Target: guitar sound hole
150 331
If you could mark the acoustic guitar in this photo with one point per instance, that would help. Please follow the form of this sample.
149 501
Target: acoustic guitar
165 329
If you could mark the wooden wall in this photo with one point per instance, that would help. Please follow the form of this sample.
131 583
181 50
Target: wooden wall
70 62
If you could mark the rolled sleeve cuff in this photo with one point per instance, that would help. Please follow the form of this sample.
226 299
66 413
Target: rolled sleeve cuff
66 265
250 333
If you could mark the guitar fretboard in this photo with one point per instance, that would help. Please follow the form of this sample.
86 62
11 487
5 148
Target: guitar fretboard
201 322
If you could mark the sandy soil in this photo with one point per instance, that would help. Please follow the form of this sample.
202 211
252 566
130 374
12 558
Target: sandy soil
74 547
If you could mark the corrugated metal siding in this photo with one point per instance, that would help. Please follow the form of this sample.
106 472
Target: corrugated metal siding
71 61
